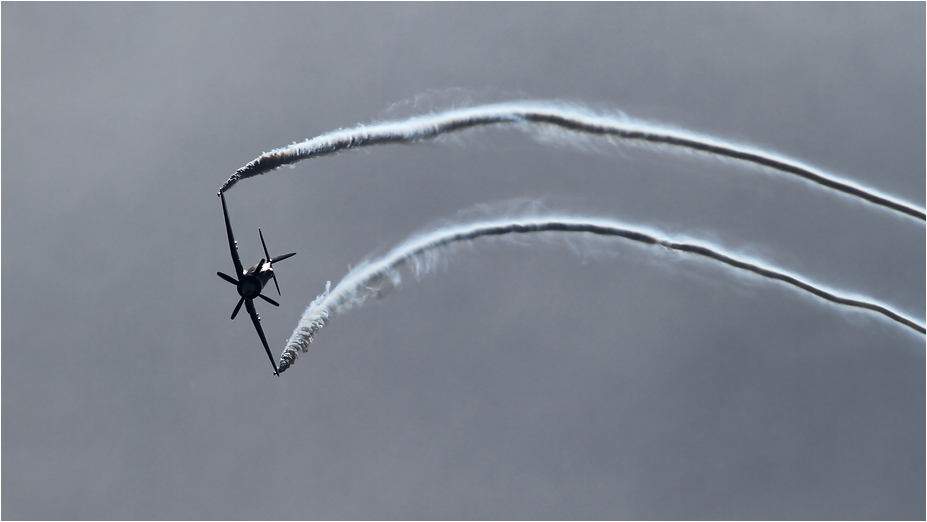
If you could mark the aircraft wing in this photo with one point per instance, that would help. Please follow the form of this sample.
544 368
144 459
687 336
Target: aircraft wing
233 245
249 304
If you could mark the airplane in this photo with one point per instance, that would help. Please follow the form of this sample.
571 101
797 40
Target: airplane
250 282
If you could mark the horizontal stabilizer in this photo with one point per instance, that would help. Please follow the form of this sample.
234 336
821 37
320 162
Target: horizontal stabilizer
281 258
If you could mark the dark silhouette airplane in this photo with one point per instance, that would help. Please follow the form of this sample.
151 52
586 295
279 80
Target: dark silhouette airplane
250 282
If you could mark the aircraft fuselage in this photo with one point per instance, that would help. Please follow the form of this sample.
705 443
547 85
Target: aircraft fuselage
252 281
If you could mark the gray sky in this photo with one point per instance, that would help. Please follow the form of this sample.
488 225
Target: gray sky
522 381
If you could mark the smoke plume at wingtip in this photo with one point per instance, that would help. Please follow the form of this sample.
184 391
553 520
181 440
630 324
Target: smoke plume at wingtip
571 118
355 289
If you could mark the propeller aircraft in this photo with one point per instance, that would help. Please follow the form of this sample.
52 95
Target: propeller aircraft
251 282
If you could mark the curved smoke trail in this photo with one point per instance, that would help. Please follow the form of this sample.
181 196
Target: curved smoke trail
355 288
572 118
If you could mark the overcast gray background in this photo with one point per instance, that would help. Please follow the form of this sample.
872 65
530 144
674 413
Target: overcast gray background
524 381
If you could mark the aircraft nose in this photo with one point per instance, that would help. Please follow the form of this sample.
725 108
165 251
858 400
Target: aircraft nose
248 288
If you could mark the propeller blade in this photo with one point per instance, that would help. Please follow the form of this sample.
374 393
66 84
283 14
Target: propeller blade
275 282
281 258
237 307
269 300
227 278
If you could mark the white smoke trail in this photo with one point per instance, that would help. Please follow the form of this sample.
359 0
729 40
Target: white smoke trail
569 117
356 287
